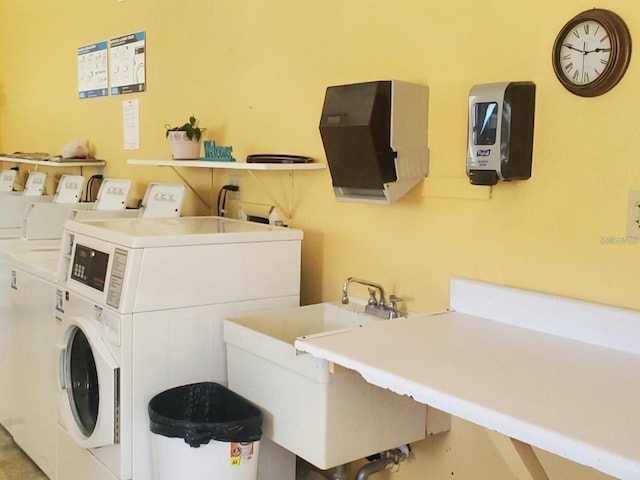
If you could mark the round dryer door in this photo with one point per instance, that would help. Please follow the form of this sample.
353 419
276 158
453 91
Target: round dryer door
89 382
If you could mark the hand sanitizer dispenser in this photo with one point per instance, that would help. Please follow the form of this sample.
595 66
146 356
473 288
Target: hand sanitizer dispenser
500 139
375 138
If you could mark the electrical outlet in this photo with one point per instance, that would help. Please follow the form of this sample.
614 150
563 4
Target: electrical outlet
235 180
633 214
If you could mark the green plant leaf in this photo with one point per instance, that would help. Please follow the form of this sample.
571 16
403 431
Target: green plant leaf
191 129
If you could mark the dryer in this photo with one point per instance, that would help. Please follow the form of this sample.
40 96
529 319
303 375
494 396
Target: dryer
139 310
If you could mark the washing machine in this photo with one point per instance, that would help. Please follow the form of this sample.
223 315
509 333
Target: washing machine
26 220
139 310
33 384
28 268
14 207
13 204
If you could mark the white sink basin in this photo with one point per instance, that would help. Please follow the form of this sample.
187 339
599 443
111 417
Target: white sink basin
327 415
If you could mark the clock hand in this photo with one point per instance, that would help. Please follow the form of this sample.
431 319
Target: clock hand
597 50
584 54
568 45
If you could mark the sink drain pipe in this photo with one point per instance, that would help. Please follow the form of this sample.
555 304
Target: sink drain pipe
383 461
340 473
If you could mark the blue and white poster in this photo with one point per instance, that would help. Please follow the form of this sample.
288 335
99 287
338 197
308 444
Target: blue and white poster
92 70
127 64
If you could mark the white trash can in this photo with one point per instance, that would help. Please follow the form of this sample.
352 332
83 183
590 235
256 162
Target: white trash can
204 431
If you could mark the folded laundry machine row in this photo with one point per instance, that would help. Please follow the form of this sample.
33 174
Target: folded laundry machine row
139 309
28 267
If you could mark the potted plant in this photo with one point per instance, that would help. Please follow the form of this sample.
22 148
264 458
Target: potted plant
185 139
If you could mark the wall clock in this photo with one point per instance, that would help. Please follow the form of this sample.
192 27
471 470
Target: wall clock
592 52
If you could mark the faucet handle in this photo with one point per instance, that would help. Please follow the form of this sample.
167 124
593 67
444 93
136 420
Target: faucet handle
393 300
393 306
372 298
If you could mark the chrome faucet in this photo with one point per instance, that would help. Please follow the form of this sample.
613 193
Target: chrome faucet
374 306
366 283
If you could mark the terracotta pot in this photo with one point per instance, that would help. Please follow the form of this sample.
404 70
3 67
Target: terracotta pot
182 148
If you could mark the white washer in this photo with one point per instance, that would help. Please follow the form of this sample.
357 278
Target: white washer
14 205
9 348
28 269
33 382
140 310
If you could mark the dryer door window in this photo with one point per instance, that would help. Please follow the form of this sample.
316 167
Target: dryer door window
84 394
89 381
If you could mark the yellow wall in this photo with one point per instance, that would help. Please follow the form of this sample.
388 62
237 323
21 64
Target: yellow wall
255 73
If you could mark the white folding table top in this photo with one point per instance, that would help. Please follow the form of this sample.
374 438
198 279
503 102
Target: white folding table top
529 379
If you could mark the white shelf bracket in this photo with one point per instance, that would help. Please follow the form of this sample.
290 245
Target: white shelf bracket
192 188
288 211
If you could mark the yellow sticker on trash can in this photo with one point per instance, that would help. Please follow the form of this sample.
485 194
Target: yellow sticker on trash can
239 451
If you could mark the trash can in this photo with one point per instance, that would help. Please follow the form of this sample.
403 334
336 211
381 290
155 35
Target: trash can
204 431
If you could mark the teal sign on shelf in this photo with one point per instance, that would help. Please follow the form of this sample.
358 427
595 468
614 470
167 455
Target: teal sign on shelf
217 153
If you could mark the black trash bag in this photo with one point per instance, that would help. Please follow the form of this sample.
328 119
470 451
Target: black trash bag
206 411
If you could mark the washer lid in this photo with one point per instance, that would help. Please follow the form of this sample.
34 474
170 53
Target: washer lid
165 232
42 264
13 246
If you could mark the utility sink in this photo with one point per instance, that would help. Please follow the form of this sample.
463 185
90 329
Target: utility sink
323 413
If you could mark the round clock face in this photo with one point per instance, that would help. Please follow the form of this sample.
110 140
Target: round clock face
592 52
585 52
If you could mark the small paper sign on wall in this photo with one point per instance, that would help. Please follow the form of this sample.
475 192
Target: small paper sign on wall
131 124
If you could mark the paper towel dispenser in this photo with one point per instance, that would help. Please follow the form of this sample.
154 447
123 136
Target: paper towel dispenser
375 139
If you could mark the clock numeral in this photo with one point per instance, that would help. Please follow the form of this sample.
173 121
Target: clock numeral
596 32
576 75
576 33
567 57
606 37
586 29
585 77
604 61
568 67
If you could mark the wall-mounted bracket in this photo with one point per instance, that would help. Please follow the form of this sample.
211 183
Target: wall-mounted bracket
287 210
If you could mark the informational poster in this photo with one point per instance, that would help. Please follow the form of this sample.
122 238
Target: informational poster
127 64
92 71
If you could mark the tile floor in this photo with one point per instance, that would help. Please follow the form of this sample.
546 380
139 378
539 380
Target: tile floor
14 464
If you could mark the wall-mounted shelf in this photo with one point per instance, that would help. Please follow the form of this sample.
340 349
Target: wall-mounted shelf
230 165
249 167
53 163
